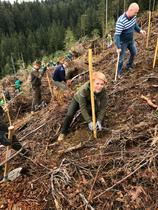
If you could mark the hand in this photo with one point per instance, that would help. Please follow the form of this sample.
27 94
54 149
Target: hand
98 125
5 108
68 82
90 126
143 32
118 50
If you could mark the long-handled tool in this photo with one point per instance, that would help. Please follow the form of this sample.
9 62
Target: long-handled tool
92 93
8 152
10 135
116 69
155 55
49 84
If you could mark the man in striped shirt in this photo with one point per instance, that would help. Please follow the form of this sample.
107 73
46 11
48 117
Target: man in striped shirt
125 26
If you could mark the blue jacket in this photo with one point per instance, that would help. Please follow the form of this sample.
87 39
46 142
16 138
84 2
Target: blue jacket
125 27
59 74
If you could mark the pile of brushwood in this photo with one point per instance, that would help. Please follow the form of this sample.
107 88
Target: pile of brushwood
118 170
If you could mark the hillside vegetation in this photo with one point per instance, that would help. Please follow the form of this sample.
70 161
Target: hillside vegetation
118 170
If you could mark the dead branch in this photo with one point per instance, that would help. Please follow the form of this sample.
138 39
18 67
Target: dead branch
126 177
90 194
32 131
14 155
79 146
85 201
149 102
75 77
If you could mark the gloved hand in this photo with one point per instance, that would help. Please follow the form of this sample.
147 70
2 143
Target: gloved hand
98 125
90 126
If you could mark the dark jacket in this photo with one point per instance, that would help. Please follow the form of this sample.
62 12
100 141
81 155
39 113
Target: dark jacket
3 124
59 74
35 79
84 99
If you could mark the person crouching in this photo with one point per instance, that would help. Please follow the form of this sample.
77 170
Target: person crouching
82 101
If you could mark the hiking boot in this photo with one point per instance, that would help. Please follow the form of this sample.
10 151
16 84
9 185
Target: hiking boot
119 76
61 137
129 68
4 141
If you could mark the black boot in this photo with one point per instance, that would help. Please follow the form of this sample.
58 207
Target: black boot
16 145
3 140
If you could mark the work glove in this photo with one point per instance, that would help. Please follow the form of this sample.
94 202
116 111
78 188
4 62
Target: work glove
98 125
90 126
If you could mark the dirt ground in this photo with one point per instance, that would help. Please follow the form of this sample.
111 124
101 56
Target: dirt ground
118 170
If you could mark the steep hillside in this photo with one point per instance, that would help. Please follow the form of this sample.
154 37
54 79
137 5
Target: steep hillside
118 170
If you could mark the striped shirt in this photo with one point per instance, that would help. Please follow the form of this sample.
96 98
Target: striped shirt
125 27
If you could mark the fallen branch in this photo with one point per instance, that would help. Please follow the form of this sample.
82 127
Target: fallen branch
11 157
80 145
78 75
95 179
32 131
120 181
149 102
85 201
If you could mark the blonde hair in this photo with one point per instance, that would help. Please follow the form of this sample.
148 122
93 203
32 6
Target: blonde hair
99 75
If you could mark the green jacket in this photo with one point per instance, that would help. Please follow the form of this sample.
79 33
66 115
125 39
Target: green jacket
84 99
18 84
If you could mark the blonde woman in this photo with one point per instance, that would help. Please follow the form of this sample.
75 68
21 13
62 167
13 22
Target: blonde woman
82 101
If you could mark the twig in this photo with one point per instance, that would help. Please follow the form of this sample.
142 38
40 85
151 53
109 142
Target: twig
18 113
32 131
80 145
11 157
149 101
96 176
85 201
120 181
41 177
85 72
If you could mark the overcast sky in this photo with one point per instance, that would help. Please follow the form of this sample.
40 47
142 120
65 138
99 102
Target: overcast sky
12 1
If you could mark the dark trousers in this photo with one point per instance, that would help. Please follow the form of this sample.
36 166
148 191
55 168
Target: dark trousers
73 108
36 94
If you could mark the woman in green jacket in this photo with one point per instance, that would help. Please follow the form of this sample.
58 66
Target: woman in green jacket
82 101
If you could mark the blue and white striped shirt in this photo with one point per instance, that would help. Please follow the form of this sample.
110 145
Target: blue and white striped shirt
124 29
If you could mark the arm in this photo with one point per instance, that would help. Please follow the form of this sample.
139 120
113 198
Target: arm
35 81
83 108
137 28
103 103
118 31
117 41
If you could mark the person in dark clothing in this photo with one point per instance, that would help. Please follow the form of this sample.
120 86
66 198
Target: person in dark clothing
15 144
36 76
82 101
7 94
59 76
125 27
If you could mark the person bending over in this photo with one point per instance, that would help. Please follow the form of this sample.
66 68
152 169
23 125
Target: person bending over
82 101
